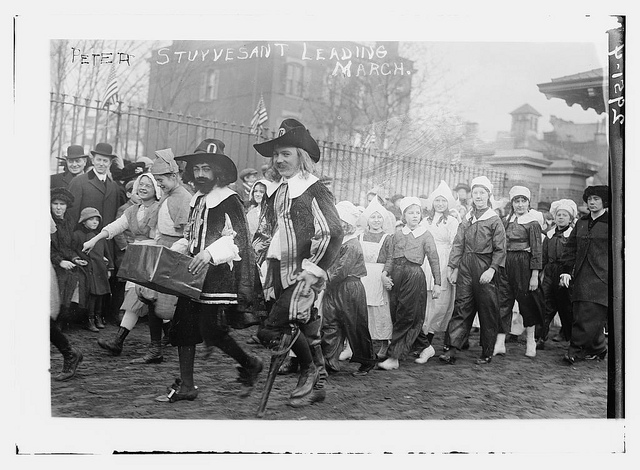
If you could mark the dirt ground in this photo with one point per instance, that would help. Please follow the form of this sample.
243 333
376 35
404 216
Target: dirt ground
511 387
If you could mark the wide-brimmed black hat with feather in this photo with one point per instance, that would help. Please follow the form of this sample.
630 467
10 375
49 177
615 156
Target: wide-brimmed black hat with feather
211 151
290 134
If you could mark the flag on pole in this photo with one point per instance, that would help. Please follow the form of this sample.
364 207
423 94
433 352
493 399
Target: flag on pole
111 93
259 117
370 139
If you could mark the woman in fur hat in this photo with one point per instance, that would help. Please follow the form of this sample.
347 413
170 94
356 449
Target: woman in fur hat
557 298
443 226
66 260
519 280
403 272
478 253
585 264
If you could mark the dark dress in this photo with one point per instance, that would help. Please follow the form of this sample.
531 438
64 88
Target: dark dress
98 269
524 254
344 308
62 248
586 258
557 298
408 297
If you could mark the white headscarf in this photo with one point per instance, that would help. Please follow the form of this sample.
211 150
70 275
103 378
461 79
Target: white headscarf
348 212
136 184
564 204
405 202
442 190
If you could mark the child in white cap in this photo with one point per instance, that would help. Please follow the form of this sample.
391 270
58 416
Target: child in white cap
477 255
379 225
443 226
520 278
403 272
557 298
344 304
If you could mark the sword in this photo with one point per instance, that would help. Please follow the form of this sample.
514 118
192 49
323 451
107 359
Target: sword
278 356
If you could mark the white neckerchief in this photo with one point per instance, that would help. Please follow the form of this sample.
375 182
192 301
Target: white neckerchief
297 185
524 218
214 197
419 230
488 214
350 237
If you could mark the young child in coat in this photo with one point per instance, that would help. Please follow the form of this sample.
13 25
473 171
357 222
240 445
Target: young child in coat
403 274
557 298
98 267
344 304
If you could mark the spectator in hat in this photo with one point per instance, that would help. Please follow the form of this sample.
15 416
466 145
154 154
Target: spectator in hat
248 176
463 196
99 267
585 265
216 236
66 258
96 188
75 162
71 356
299 235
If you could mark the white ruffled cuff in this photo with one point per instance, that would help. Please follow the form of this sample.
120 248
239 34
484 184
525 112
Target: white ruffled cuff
181 246
314 269
223 250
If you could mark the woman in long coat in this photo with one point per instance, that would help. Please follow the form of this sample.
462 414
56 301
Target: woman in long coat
585 263
66 260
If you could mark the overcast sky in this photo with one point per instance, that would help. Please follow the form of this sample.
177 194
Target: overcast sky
495 78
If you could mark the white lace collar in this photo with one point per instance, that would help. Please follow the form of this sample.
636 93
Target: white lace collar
297 185
214 197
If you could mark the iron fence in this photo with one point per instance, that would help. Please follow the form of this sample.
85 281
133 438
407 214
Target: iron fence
351 171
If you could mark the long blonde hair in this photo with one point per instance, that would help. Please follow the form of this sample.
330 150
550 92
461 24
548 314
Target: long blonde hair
307 166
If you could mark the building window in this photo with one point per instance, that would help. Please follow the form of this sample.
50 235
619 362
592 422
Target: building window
293 83
212 78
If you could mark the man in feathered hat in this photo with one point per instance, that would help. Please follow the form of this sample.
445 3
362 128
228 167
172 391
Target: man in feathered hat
585 265
301 232
216 236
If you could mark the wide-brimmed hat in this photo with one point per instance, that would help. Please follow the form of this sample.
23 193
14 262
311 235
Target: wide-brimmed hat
73 151
210 151
130 171
165 163
62 194
104 149
443 190
602 191
290 134
89 212
544 206
247 171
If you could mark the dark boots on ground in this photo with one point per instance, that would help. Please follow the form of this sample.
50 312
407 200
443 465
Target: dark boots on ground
71 356
114 345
